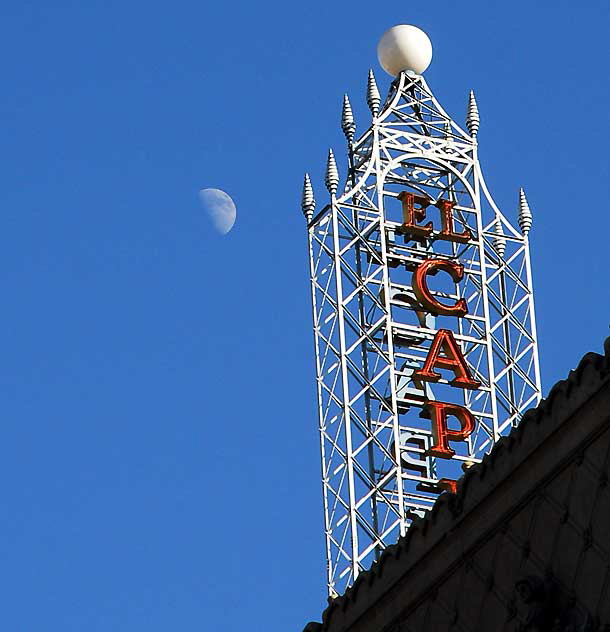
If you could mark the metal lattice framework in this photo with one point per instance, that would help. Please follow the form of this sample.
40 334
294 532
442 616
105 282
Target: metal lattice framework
372 333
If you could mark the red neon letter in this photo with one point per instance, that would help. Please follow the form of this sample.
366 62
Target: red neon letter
452 359
446 209
438 413
448 484
411 215
420 286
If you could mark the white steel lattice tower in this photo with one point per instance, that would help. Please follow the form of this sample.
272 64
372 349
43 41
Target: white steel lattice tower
414 193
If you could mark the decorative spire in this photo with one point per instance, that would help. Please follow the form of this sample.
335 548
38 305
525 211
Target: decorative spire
525 215
499 241
347 120
472 116
372 94
308 202
331 179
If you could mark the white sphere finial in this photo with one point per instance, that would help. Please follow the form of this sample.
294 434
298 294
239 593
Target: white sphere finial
404 47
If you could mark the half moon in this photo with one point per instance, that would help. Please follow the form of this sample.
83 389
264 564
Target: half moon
220 208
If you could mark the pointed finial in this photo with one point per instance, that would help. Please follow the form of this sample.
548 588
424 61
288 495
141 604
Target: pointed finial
308 202
472 116
525 215
499 241
331 179
372 94
347 120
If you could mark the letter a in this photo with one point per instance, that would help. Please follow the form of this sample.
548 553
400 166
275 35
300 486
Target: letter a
452 359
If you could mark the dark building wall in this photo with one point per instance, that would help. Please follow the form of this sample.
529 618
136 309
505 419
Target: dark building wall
523 545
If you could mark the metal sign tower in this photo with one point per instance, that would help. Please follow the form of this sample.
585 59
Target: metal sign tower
423 312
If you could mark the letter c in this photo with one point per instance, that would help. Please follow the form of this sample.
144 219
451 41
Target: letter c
420 287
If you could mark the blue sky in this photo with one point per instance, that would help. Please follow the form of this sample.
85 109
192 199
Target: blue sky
159 464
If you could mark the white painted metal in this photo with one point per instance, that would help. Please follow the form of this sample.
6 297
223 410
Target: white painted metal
472 116
347 120
308 202
370 332
373 98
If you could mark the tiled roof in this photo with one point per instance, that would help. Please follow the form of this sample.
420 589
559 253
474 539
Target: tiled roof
537 426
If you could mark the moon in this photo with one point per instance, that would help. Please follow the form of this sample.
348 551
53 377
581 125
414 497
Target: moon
220 208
